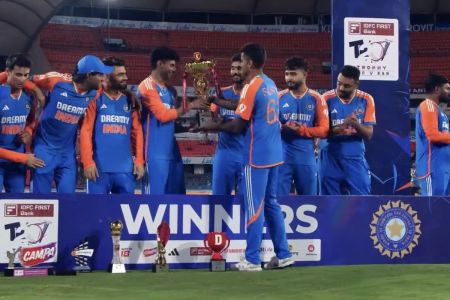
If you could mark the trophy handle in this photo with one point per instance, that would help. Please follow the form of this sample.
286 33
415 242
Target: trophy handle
227 245
184 93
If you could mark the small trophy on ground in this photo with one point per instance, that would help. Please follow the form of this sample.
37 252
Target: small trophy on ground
217 242
116 230
162 237
30 258
11 257
82 256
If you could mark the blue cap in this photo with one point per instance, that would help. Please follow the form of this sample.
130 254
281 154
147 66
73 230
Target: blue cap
92 64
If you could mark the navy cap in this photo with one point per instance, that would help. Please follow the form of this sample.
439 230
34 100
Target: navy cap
92 64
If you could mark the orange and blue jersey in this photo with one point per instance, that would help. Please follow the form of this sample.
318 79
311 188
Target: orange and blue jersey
263 154
363 107
16 111
262 138
158 120
432 140
231 143
65 107
111 134
309 110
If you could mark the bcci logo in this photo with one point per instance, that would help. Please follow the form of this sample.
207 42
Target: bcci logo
395 229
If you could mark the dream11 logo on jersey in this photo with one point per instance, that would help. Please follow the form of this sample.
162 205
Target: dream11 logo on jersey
372 45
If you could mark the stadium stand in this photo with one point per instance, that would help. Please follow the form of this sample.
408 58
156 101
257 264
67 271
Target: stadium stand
430 51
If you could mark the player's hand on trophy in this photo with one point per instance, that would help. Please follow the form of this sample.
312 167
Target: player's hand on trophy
34 162
138 171
91 173
201 103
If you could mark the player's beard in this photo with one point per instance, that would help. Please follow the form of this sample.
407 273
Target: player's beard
294 86
443 98
345 95
118 86
237 79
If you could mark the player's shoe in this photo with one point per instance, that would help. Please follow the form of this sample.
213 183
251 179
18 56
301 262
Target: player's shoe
246 266
276 263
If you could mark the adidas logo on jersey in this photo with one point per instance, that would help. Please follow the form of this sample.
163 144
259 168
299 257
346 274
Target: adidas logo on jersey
103 106
334 111
174 252
5 107
64 94
285 105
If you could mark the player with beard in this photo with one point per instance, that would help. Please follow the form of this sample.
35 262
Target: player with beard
344 168
433 139
304 116
228 159
111 135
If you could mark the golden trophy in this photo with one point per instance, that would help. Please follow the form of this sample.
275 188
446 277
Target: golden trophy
116 230
162 237
201 70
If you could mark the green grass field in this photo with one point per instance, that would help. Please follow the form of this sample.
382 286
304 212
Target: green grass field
423 282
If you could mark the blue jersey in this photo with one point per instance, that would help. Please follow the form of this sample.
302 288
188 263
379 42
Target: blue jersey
262 139
158 120
59 120
308 110
14 113
230 142
363 107
112 134
432 139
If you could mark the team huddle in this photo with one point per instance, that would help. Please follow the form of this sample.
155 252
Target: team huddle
314 142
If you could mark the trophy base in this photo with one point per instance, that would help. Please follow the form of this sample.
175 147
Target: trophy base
82 269
29 272
160 268
218 265
117 268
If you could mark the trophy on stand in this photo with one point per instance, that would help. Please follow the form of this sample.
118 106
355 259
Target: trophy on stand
116 265
162 237
11 257
201 70
217 242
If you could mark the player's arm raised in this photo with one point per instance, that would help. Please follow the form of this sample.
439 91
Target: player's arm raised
29 86
152 102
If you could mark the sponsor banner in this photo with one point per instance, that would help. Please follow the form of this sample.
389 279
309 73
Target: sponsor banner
95 22
376 40
29 228
194 251
326 230
372 45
